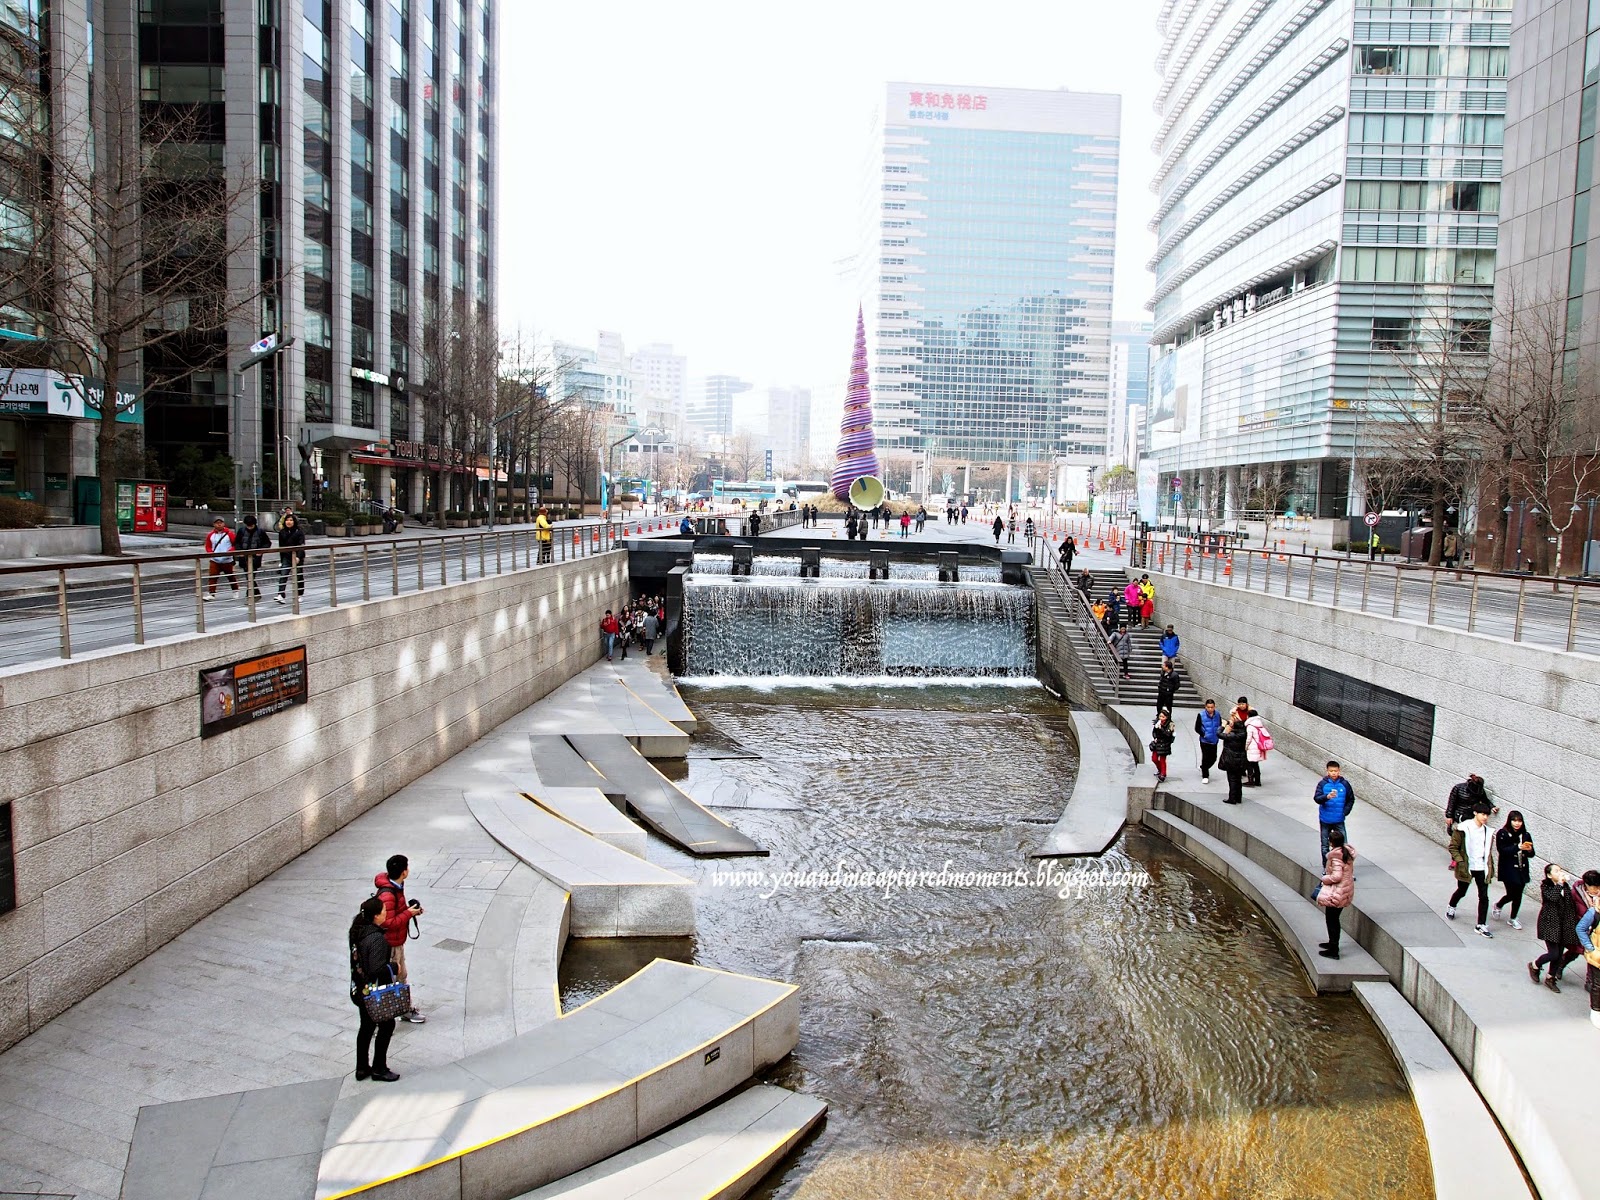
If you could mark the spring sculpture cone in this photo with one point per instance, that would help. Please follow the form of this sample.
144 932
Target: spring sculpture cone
857 455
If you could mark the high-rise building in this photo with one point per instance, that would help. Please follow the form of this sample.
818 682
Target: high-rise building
660 386
710 411
789 428
1130 384
1547 226
1327 188
992 232
369 126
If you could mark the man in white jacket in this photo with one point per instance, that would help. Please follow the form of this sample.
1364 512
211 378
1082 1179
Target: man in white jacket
1472 846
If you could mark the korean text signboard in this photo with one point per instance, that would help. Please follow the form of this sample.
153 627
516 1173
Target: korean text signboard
246 691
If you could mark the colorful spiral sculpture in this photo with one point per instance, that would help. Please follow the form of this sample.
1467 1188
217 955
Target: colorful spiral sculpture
857 454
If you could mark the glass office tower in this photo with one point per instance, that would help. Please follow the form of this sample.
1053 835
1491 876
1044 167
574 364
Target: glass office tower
994 231
1328 190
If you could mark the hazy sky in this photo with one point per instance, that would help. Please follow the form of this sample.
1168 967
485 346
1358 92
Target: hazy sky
692 173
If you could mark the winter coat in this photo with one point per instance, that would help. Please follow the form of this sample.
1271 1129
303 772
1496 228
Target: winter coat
1511 857
1333 804
1458 807
1131 596
1232 757
1208 726
1458 852
1161 739
650 626
1338 879
369 958
246 538
1124 648
1558 914
291 542
1169 645
1166 689
1252 746
219 540
396 915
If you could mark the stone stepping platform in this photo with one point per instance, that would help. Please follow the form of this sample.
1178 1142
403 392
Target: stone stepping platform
589 809
648 688
1469 1153
614 893
722 1153
1299 922
1098 808
659 803
664 1044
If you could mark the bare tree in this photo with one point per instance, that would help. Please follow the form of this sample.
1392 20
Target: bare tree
743 453
1421 415
135 215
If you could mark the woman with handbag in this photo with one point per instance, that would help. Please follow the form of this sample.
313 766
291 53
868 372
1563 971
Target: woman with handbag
1161 744
369 968
1231 762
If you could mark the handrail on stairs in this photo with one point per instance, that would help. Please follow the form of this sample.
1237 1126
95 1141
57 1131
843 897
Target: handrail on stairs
1077 606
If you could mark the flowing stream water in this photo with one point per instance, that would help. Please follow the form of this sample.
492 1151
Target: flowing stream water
1131 1028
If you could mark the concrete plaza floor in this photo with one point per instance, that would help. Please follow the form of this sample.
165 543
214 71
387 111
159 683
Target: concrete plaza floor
256 994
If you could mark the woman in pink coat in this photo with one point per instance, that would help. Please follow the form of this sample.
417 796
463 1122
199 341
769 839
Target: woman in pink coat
1133 598
1338 889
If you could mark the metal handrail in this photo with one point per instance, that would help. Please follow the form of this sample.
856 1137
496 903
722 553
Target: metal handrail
177 581
1560 603
1078 610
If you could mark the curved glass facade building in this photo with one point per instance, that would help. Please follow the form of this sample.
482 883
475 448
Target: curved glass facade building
1327 188
994 222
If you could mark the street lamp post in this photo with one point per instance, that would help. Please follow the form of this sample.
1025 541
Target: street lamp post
268 347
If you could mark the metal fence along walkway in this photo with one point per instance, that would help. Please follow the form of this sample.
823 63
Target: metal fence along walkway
56 611
1558 614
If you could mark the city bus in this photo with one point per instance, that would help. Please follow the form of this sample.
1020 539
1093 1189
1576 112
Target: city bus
809 487
754 492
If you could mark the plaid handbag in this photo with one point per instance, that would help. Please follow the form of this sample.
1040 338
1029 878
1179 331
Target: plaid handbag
386 1001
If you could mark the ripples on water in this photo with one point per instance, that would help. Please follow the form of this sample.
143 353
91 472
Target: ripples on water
1131 1041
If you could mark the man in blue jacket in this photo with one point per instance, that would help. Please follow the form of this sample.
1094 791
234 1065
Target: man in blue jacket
1169 645
1334 798
1208 724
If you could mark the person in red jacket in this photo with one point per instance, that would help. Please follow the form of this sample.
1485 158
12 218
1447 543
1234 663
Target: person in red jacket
611 627
395 919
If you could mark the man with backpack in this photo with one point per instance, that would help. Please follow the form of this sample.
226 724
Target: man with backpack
396 918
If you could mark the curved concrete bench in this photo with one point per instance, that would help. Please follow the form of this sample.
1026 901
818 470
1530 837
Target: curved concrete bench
588 809
722 1153
614 894
1098 807
1469 1153
656 691
663 1044
1298 921
661 805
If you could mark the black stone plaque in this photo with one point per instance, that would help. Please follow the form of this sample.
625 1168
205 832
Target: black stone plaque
8 862
1403 724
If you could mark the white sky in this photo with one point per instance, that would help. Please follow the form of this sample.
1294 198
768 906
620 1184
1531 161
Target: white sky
691 173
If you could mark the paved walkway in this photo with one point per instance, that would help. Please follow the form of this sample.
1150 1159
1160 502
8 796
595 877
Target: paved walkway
255 995
1527 1046
100 598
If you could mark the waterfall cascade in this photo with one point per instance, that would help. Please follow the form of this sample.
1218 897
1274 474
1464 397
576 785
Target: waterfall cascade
764 625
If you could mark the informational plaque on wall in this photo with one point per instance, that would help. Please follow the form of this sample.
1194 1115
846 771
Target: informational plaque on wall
1402 723
246 691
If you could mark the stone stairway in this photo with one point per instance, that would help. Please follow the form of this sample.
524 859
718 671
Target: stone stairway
1145 666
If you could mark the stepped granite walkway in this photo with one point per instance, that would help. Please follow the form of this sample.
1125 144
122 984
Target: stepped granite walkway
255 995
1522 1045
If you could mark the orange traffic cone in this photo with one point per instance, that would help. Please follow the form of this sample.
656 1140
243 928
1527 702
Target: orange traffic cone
1227 565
